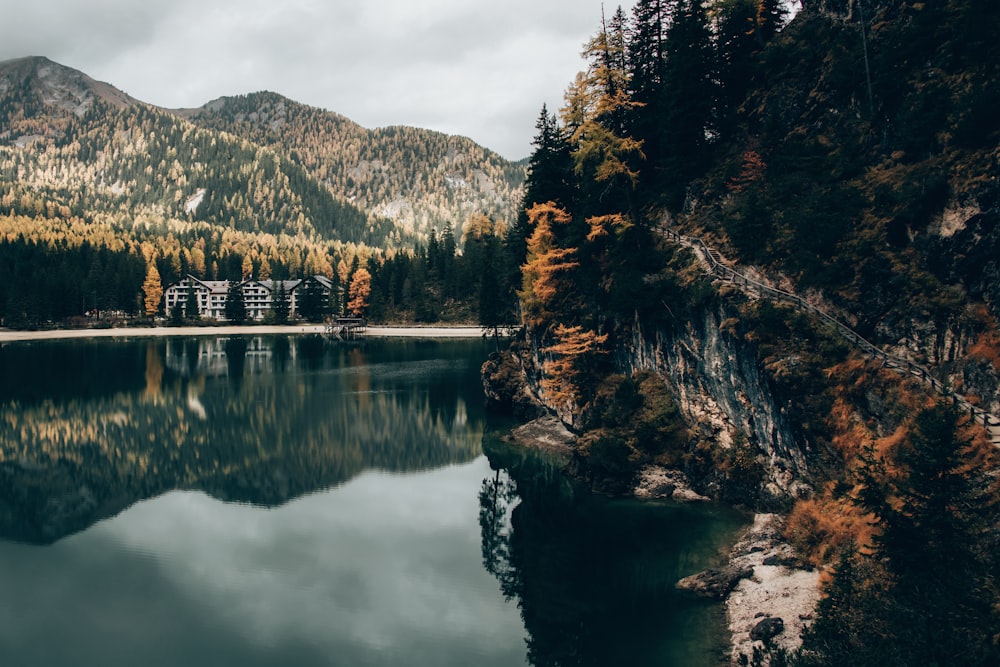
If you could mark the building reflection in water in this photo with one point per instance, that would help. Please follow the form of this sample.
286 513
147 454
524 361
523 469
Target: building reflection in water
248 419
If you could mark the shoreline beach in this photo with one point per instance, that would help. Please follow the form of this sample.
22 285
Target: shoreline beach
10 336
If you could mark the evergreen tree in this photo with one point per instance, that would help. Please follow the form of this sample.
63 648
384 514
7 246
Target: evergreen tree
236 309
451 287
312 302
687 109
335 301
280 302
176 315
743 29
605 157
550 179
646 60
930 589
550 167
191 311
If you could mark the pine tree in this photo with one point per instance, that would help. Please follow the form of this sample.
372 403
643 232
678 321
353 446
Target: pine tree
688 104
571 372
311 304
191 311
550 179
606 158
236 309
646 60
743 29
280 302
548 293
335 301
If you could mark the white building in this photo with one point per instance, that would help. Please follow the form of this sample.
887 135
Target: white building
211 295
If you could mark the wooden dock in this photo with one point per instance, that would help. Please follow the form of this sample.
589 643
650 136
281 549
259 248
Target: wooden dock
346 328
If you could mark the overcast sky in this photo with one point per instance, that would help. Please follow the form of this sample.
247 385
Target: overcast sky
477 68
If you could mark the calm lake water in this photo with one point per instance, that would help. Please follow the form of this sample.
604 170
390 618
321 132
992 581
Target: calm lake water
293 501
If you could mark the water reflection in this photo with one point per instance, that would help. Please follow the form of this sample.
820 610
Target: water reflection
381 571
594 577
250 419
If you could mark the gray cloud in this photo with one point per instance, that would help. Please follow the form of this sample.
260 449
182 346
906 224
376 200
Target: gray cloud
481 69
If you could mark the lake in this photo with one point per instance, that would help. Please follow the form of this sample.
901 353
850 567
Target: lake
257 500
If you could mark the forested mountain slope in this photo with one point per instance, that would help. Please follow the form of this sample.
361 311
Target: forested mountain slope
850 156
421 179
101 185
88 152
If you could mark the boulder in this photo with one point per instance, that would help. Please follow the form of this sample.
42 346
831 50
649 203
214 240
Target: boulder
767 629
714 584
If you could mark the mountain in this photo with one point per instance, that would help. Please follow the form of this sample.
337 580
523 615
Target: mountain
254 164
420 179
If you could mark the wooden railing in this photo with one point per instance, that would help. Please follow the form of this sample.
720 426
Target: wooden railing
711 258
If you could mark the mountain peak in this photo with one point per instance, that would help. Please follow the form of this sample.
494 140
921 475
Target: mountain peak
57 86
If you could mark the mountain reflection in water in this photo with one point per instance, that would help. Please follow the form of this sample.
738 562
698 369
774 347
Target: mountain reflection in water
355 537
88 428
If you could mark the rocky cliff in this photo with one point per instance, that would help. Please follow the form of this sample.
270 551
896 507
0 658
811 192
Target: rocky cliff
724 393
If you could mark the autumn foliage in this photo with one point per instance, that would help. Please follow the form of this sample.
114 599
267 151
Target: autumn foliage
547 276
360 292
573 354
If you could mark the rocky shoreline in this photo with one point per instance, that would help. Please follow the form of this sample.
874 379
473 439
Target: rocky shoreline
769 594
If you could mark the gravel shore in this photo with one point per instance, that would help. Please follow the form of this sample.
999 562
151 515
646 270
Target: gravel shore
7 335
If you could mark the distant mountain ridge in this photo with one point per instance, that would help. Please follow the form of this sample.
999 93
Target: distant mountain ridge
257 163
418 178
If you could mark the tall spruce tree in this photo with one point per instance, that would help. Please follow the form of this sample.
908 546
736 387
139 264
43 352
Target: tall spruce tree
686 120
312 301
646 60
606 158
743 29
191 311
280 302
236 309
550 179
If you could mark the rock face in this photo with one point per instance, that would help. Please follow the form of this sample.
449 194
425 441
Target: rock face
722 393
547 433
506 385
715 377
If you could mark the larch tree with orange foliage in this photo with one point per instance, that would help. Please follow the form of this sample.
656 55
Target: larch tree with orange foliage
360 292
573 360
547 284
152 289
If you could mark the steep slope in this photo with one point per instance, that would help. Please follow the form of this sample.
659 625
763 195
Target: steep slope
93 150
870 192
35 86
865 174
848 161
421 179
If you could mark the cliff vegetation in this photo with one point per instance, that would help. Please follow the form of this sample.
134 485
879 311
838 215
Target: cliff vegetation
847 157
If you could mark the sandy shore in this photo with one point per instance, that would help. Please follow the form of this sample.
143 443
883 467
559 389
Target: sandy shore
136 332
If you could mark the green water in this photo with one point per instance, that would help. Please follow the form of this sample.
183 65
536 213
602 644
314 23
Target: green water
292 501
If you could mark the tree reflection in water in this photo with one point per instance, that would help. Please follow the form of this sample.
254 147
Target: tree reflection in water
594 577
248 419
